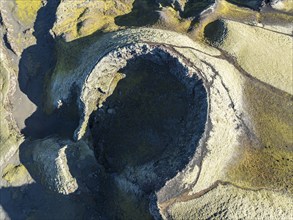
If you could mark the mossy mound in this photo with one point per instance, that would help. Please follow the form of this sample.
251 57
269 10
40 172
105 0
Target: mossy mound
76 19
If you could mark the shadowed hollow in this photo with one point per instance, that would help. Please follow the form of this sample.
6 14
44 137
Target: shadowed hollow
151 120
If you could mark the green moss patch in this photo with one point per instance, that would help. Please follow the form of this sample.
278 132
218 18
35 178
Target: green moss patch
27 10
270 165
15 175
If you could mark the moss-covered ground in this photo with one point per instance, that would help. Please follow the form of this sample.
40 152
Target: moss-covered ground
26 10
15 175
270 164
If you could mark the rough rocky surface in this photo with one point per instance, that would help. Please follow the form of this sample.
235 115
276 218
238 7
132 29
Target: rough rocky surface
250 205
282 5
138 109
52 166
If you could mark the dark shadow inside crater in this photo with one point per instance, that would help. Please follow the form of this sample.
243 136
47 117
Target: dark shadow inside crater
147 115
147 131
